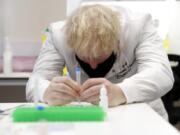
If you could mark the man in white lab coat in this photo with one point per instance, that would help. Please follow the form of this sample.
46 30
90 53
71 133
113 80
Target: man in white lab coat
115 47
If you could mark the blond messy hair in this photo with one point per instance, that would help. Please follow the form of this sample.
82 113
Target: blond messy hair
96 23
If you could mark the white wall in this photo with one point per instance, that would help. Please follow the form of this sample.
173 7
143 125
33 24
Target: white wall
1 25
73 4
25 20
174 33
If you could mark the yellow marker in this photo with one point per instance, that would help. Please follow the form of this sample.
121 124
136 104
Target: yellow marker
65 71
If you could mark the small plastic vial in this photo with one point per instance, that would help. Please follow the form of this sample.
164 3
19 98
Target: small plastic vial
103 98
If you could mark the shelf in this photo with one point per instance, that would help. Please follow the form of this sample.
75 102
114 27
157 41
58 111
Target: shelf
14 79
16 75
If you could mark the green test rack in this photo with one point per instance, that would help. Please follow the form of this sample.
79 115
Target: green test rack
59 114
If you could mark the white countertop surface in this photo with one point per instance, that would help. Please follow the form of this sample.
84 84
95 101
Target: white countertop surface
134 119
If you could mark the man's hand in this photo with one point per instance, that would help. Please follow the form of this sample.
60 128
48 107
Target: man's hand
91 91
62 90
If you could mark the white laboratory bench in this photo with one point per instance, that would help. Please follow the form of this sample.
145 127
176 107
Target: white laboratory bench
132 119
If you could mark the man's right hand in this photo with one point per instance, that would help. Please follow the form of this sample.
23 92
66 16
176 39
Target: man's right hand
62 90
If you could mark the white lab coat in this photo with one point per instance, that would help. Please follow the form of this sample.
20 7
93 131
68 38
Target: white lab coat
141 69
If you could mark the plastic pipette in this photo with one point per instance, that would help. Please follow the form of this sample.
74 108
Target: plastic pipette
78 75
78 78
36 83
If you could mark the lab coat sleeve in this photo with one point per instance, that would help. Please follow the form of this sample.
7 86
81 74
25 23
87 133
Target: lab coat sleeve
154 77
49 64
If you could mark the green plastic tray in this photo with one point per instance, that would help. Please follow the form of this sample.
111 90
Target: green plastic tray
63 113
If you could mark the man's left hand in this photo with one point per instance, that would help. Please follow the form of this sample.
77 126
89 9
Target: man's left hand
91 91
